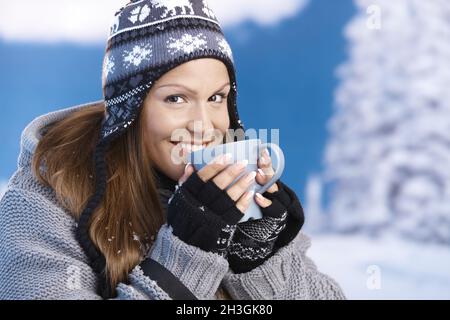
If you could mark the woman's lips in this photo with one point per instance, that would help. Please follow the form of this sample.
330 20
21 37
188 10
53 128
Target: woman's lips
190 147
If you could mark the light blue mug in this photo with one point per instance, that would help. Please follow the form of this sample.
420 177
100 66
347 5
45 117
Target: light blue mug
249 150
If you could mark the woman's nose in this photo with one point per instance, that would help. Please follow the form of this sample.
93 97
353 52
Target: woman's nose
200 120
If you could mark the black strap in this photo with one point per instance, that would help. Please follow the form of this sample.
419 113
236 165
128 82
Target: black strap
166 280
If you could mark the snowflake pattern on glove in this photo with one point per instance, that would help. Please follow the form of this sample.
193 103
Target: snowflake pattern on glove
224 240
137 55
263 229
139 14
187 44
170 7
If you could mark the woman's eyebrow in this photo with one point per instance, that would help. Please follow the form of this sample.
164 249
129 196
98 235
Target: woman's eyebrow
188 89
226 84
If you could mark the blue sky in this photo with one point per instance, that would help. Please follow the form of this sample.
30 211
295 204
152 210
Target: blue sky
285 76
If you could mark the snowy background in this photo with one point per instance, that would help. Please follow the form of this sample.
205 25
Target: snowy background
387 160
358 89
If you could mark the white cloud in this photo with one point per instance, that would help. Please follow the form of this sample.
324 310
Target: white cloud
87 21
57 20
265 12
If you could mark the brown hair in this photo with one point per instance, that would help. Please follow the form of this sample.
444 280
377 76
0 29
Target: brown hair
123 226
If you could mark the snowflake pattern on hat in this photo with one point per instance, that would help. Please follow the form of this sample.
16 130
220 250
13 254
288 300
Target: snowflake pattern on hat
138 54
170 7
187 43
108 66
121 111
115 25
139 14
224 46
208 11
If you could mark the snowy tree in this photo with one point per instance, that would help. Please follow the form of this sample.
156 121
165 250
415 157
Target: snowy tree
388 156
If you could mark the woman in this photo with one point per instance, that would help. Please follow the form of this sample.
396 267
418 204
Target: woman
99 209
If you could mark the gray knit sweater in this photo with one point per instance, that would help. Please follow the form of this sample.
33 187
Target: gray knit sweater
40 257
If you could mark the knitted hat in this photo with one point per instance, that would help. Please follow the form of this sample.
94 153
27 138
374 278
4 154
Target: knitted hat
147 39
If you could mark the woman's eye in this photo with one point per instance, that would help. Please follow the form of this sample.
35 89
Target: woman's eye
174 99
218 97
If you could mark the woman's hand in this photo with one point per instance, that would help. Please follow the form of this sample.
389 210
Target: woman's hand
221 173
265 173
254 241
201 212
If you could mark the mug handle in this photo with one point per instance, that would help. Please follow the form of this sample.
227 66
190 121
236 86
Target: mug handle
279 155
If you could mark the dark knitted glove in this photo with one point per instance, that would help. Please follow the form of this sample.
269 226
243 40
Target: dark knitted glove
295 217
255 241
203 215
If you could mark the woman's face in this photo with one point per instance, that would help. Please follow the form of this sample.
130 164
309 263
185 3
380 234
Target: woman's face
193 94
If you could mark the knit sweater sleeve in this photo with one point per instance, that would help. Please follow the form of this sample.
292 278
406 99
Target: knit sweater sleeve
289 274
40 257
